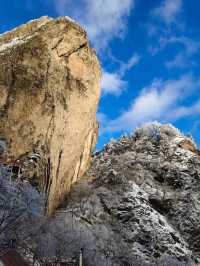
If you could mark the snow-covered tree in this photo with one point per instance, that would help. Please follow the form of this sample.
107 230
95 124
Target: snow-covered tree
21 210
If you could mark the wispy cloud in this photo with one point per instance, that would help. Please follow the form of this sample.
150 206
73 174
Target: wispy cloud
185 111
165 25
180 61
191 46
112 83
101 117
156 102
133 61
103 19
184 58
168 10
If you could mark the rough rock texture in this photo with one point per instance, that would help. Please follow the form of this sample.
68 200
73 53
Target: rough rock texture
140 200
49 91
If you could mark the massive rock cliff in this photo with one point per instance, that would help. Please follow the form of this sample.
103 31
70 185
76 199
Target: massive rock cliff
49 91
139 204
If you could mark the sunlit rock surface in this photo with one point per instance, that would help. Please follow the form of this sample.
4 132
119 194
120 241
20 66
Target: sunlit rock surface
49 91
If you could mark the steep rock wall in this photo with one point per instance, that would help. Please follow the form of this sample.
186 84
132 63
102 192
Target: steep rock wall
49 91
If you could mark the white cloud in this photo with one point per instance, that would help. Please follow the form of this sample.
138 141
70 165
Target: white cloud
112 83
101 117
183 59
168 10
185 111
133 61
180 61
156 102
191 46
103 19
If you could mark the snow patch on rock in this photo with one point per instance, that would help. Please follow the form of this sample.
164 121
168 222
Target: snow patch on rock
14 42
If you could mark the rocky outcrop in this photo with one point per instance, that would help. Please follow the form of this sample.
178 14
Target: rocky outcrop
140 200
49 91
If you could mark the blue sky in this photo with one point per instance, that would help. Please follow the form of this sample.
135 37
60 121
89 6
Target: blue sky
149 52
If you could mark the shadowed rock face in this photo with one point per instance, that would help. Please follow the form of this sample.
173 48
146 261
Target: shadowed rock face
49 91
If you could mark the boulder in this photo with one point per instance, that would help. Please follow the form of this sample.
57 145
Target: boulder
49 92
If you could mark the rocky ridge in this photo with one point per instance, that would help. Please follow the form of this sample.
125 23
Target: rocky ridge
140 200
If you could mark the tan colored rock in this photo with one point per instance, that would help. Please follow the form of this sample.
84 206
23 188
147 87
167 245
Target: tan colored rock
49 92
189 145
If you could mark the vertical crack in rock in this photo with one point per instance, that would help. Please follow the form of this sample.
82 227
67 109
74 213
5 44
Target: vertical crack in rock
59 162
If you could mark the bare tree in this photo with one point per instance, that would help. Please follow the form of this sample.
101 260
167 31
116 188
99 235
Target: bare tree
21 210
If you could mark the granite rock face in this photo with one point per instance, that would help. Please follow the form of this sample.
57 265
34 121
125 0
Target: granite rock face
49 91
140 200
